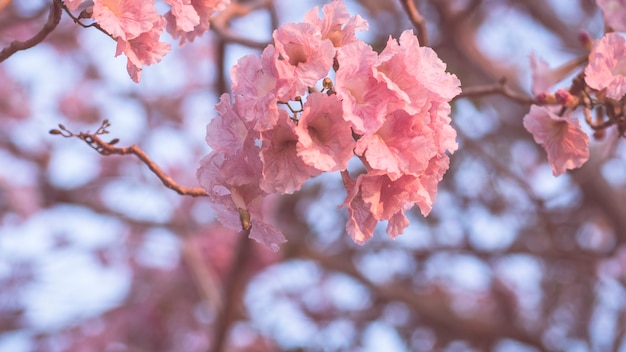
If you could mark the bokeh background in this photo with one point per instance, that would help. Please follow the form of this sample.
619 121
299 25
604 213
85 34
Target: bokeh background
97 255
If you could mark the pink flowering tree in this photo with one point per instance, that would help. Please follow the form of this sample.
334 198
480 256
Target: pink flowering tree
422 173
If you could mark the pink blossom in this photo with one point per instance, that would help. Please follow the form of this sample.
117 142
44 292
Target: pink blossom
324 137
232 185
361 222
180 24
415 73
541 78
373 197
184 15
614 13
562 137
227 132
445 135
254 88
305 58
283 170
396 148
607 66
425 186
336 24
365 99
143 50
125 19
544 77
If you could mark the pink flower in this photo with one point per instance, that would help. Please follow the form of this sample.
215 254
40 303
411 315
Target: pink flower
336 25
415 73
541 78
396 148
544 78
607 66
365 99
125 19
181 22
445 135
563 139
143 50
374 197
324 137
232 175
305 58
614 13
283 170
232 183
184 15
254 89
227 132
361 222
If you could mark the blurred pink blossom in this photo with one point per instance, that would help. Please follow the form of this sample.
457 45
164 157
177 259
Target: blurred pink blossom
614 13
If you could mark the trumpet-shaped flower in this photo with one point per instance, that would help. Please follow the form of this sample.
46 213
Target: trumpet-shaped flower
254 88
365 99
562 137
283 170
184 25
336 24
607 66
143 50
324 137
125 19
305 58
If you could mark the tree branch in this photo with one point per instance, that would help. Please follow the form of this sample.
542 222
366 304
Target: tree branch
220 23
108 148
496 88
54 17
417 20
233 291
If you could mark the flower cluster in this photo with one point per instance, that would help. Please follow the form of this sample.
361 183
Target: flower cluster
390 110
137 26
600 86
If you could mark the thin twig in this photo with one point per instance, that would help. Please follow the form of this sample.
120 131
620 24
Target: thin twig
83 15
108 148
417 20
496 88
54 17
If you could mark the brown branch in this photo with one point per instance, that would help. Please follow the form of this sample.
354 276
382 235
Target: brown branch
496 88
108 148
220 23
417 20
233 291
54 17
205 279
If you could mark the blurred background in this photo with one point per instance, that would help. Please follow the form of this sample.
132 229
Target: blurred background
97 255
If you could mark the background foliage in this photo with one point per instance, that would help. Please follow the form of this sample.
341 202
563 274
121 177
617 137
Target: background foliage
96 255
